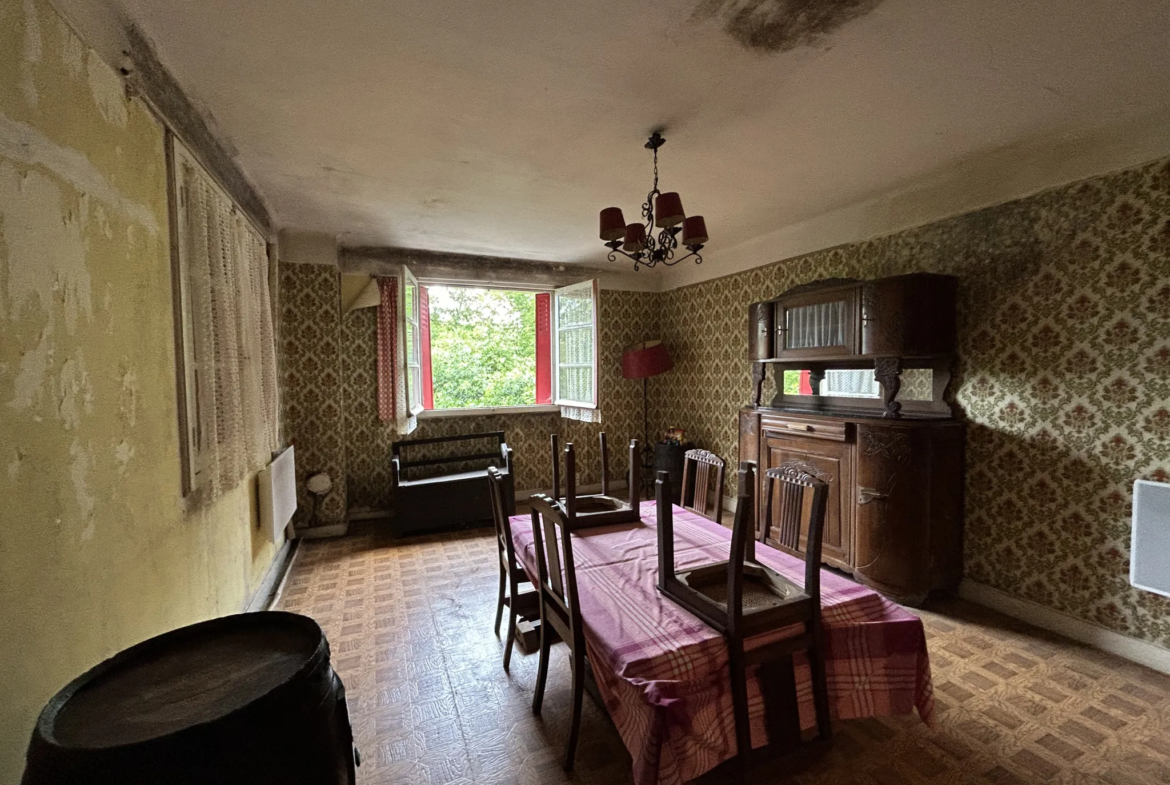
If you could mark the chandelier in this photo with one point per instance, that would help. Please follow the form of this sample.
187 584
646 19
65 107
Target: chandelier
661 210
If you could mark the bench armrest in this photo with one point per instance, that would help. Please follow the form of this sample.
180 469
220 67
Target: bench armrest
395 472
506 456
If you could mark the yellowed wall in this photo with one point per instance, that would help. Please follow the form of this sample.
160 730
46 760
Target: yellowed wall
96 549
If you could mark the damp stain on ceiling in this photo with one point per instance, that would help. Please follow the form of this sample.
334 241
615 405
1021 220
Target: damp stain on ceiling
782 25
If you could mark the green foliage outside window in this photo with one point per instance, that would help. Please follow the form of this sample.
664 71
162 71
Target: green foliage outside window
792 382
483 347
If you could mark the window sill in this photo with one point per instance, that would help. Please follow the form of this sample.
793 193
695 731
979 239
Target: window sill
429 414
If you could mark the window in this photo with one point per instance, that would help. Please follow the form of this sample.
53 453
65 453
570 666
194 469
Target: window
226 354
488 348
576 345
414 396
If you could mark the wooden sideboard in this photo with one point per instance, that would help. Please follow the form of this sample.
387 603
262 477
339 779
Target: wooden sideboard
895 511
892 456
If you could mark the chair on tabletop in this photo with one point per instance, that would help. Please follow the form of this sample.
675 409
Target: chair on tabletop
560 609
596 509
520 597
744 599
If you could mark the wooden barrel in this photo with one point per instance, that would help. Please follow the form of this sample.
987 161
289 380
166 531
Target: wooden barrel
249 699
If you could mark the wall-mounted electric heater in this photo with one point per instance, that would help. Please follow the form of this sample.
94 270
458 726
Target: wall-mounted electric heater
277 489
1149 547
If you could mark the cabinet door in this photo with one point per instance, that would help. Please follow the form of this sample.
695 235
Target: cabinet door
893 511
817 325
830 460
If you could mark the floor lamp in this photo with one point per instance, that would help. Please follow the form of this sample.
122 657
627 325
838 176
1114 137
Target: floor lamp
641 361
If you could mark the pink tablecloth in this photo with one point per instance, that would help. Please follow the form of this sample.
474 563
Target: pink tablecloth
663 672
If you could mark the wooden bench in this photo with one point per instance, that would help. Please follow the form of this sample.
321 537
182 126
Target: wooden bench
447 500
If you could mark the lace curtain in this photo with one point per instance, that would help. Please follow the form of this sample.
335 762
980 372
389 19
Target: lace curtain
230 352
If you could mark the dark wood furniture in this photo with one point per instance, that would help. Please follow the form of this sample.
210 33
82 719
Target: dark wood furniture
595 509
668 457
520 597
743 598
702 484
888 324
246 699
893 462
560 608
445 500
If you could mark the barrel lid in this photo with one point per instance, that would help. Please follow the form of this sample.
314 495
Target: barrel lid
187 677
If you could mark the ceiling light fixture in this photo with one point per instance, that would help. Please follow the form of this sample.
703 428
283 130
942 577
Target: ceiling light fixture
661 210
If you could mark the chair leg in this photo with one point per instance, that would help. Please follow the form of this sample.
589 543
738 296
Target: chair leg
500 601
820 688
578 660
739 702
511 638
542 667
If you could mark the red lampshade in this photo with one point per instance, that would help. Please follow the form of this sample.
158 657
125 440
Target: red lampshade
668 210
694 231
613 224
635 237
644 360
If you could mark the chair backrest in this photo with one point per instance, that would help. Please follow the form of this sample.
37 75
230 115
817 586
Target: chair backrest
800 490
554 560
702 477
498 494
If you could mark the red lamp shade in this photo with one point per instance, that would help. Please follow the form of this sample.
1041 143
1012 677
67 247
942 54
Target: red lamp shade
644 360
668 210
613 224
694 231
635 237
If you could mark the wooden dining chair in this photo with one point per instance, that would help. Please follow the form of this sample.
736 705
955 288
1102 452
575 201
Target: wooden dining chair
596 509
560 608
703 476
744 599
520 597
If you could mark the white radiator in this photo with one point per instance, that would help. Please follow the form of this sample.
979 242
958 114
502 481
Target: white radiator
277 489
1149 548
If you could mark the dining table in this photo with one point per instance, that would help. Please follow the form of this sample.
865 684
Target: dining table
663 673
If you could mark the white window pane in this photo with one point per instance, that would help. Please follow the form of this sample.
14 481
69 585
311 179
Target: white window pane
575 346
575 309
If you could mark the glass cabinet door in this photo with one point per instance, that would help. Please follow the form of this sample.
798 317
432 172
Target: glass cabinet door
817 325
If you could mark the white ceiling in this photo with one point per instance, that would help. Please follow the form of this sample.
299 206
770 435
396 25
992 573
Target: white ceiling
501 128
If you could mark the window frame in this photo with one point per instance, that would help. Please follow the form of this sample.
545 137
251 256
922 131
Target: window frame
478 411
558 399
192 367
412 337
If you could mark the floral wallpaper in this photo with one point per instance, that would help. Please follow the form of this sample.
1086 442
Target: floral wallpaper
1064 377
310 364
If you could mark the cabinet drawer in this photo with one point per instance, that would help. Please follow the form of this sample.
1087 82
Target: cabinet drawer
795 426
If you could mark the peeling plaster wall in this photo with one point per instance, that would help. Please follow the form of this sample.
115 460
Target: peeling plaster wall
96 549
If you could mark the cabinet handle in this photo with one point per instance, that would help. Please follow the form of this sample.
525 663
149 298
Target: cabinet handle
867 495
795 427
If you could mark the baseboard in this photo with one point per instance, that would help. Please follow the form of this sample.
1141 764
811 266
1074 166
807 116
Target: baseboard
269 589
1141 652
369 515
319 532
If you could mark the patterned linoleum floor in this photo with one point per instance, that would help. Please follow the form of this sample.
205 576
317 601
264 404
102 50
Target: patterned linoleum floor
410 626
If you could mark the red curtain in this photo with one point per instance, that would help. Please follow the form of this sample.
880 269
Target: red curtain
387 349
544 348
